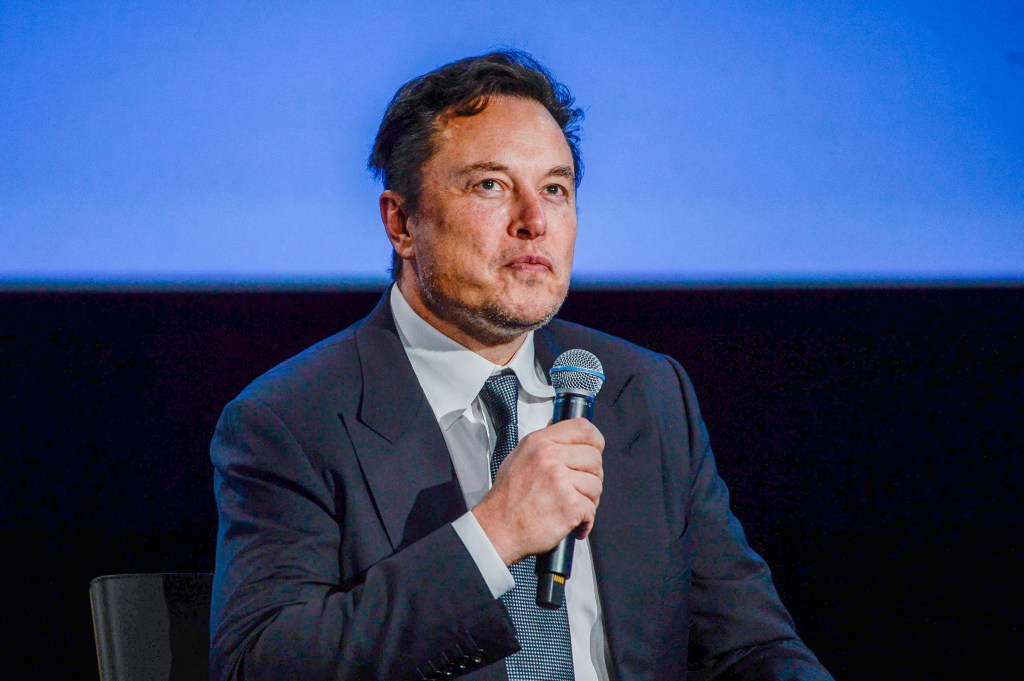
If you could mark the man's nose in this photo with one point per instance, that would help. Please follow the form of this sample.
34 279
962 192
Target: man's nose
529 220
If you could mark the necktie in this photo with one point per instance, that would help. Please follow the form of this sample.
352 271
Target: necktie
543 635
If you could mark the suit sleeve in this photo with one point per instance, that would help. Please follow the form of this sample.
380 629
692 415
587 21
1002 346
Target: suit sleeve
280 609
739 628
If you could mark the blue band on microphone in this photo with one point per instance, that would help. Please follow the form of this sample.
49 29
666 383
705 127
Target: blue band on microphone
579 370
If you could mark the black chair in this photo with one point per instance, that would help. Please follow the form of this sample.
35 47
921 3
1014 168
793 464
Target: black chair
152 627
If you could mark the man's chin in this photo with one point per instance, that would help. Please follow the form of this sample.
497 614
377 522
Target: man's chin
518 320
496 319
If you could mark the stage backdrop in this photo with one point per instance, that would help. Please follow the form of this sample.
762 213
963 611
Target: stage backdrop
724 140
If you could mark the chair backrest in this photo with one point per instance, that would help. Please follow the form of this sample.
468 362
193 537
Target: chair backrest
152 627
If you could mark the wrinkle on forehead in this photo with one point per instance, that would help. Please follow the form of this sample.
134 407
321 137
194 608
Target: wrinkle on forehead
556 171
449 121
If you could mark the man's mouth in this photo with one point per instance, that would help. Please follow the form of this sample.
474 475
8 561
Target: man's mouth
531 263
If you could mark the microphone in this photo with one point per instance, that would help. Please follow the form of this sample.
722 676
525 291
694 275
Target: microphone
577 377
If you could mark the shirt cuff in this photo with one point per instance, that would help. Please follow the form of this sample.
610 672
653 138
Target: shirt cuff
492 567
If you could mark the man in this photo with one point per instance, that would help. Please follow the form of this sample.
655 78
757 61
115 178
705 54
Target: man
381 495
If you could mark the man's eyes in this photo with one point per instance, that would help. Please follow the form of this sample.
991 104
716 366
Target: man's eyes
491 185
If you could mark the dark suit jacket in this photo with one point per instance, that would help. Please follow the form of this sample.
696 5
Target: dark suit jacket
336 558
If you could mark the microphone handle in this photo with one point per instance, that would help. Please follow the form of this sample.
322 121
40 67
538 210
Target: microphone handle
555 566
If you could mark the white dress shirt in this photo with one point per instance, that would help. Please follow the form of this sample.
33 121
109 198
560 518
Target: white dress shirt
452 377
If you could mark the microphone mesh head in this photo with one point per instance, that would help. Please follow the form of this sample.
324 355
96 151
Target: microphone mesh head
577 371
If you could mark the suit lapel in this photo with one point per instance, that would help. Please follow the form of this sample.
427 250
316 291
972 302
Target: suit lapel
627 563
397 440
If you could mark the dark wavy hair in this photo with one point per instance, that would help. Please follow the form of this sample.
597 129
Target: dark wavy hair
408 131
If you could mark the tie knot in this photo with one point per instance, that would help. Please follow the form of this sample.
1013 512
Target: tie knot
500 394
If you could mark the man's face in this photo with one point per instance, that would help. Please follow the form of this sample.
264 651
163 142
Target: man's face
490 250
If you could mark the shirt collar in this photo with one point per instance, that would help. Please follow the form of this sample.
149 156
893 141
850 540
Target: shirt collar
451 374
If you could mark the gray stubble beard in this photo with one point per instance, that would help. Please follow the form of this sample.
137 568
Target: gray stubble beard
491 324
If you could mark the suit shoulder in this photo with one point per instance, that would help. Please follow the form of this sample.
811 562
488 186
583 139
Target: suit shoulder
331 361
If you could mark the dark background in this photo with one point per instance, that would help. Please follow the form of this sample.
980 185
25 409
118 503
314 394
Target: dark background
870 437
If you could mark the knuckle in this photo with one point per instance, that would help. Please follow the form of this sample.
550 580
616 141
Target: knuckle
548 453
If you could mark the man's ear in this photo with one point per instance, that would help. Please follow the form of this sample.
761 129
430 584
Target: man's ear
396 223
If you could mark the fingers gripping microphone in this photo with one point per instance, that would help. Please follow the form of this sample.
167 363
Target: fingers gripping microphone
576 376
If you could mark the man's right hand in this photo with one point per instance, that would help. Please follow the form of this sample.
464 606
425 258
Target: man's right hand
548 486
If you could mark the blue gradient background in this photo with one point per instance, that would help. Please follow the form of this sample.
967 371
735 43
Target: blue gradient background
724 141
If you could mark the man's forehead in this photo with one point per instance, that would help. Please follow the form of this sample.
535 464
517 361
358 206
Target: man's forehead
504 124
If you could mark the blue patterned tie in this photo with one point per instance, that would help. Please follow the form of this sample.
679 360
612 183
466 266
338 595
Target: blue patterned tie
543 635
